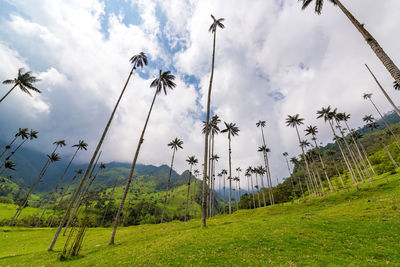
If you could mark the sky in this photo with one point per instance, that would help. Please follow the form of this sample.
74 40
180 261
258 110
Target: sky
272 60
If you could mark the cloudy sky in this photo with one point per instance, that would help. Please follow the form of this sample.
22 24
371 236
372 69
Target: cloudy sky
272 59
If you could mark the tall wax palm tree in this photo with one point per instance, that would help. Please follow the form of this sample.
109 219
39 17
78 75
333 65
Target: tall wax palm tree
256 171
232 130
24 81
248 175
249 170
369 97
162 83
32 135
224 173
22 132
174 145
295 121
217 23
373 126
239 170
313 130
384 92
357 136
372 42
295 162
214 158
345 117
192 160
236 179
82 145
327 115
318 187
265 151
137 61
261 124
54 157
285 155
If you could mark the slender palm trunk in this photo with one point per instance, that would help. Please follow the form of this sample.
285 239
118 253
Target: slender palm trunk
290 172
384 92
230 173
209 177
204 196
79 200
263 193
169 181
9 145
366 157
390 155
340 176
8 92
375 46
131 173
344 155
350 151
304 155
323 166
224 195
253 191
248 190
269 181
84 178
187 197
258 191
386 124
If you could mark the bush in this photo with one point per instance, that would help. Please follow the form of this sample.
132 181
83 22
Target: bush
7 200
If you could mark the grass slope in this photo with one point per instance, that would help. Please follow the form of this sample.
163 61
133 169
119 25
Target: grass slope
345 228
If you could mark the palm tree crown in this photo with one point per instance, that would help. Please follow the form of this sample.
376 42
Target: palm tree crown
231 129
216 23
318 5
24 81
164 81
294 121
192 160
81 145
139 60
175 144
260 123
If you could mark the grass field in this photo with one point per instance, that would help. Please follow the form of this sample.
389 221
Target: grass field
345 228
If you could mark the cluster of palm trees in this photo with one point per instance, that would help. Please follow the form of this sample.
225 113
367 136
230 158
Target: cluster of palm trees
317 182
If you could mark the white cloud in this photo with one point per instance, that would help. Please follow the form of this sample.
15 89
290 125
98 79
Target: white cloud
272 59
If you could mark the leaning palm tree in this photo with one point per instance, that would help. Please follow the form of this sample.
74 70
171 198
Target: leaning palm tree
380 53
24 81
313 130
192 160
164 81
82 145
22 132
174 145
372 126
8 165
294 121
54 157
137 61
232 130
327 114
384 91
369 97
217 23
32 135
261 124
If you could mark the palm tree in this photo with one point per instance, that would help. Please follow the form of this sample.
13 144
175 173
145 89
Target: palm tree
174 145
256 171
380 53
214 158
331 153
32 135
239 170
295 121
295 162
327 114
23 132
217 23
82 145
372 126
261 124
396 85
54 157
162 83
369 97
8 165
318 188
137 61
384 92
224 173
285 154
24 81
248 175
191 161
265 151
232 130
313 130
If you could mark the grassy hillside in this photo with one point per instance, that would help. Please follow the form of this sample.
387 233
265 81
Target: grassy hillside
351 227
